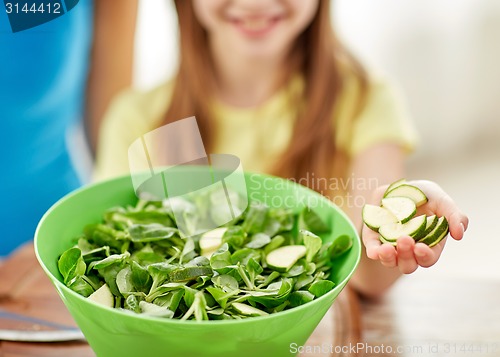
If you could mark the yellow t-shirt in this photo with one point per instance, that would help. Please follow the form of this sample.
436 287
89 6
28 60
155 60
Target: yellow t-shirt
258 135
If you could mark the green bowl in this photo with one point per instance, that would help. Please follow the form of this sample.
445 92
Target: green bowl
112 332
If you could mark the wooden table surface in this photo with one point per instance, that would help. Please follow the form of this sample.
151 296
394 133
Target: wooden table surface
427 316
24 289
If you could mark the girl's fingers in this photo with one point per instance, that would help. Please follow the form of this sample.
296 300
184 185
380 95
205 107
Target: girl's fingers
457 220
388 256
371 242
427 257
406 259
458 223
442 204
408 255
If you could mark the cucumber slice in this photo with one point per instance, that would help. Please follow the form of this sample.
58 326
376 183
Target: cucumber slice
431 224
189 273
391 232
375 216
211 241
409 191
103 296
437 234
155 310
402 207
440 238
283 258
394 185
383 240
248 310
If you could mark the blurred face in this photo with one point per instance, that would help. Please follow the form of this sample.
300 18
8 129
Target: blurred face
254 28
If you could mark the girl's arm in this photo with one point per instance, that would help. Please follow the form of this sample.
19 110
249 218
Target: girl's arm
111 60
380 165
381 264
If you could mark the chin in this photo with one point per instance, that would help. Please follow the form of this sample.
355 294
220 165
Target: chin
260 51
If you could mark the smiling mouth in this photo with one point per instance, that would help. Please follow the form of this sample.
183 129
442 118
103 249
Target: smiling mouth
256 26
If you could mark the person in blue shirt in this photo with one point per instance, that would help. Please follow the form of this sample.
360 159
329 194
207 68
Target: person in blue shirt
52 77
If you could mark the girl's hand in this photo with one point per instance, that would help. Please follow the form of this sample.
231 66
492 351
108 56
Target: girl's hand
408 255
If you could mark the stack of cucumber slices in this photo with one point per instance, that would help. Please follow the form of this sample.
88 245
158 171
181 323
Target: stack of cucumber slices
396 216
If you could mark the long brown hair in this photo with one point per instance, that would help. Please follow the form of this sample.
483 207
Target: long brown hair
323 63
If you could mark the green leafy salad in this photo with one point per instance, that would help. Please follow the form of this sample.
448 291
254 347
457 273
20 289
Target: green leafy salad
265 261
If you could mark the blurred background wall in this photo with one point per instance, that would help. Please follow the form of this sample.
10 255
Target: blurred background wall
445 55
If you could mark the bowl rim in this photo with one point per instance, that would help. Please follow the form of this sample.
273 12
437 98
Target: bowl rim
122 312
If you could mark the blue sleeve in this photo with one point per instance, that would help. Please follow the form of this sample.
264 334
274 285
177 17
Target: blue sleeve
43 71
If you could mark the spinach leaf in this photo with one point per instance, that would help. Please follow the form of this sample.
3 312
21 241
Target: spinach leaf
321 287
295 270
102 235
170 300
225 282
71 264
163 290
235 237
311 221
221 259
202 282
112 259
255 218
147 255
216 311
277 298
222 296
340 245
276 242
140 277
109 272
150 232
198 308
189 294
188 251
132 304
258 241
300 297
243 276
184 211
242 256
312 242
186 274
253 268
303 280
199 261
92 279
91 252
81 286
121 218
124 281
268 279
160 272
278 220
